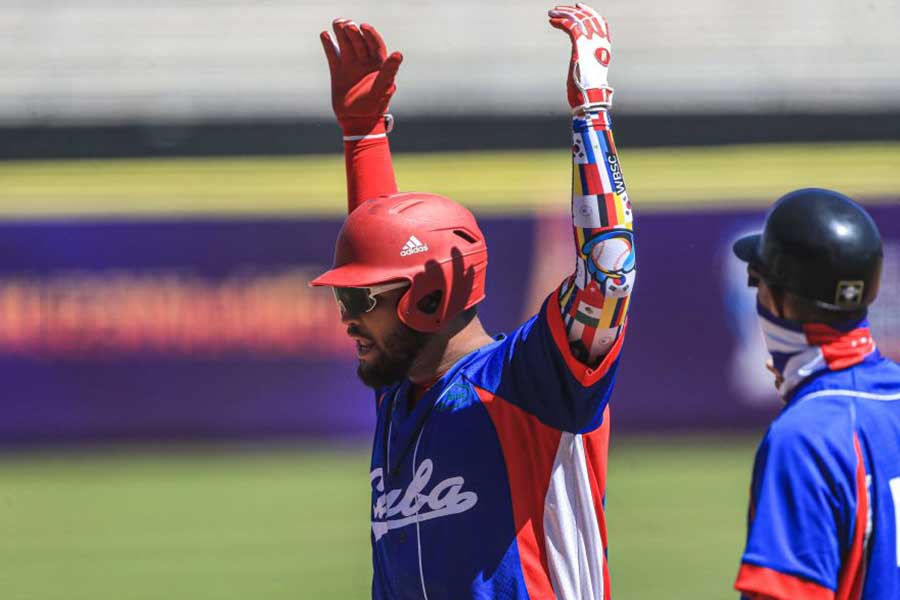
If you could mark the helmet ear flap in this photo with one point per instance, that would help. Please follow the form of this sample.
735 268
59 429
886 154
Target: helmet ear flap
431 302
424 307
441 291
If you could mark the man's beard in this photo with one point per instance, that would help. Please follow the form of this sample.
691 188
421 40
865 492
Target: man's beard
399 349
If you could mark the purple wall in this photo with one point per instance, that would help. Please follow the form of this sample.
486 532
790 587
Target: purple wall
206 328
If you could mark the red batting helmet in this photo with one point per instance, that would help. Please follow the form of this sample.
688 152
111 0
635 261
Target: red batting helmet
429 240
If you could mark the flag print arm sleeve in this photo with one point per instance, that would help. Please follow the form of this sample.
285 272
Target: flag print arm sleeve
808 512
567 357
560 365
593 301
362 84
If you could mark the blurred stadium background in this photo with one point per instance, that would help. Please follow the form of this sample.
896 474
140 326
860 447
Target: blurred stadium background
179 415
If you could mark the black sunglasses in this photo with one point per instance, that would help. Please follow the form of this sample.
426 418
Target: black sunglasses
354 301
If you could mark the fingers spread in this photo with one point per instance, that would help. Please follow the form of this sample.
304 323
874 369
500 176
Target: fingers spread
388 73
394 60
586 16
573 28
564 17
562 10
585 8
356 41
332 54
343 40
375 44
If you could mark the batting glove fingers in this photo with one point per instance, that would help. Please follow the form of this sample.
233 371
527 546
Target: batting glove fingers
587 85
362 75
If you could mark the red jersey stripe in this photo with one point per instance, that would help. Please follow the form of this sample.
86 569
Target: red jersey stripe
529 449
850 583
753 579
583 373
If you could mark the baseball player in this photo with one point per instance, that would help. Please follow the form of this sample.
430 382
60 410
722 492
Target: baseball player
824 519
488 467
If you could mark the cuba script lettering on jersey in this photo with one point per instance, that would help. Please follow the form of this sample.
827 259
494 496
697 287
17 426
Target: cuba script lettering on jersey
399 508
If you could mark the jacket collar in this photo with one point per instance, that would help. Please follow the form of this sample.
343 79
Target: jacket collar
801 351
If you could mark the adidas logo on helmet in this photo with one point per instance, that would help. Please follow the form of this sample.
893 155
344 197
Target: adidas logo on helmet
413 246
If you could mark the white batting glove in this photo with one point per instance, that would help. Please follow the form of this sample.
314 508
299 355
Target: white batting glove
587 86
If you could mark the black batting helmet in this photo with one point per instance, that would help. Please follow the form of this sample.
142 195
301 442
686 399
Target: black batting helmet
820 245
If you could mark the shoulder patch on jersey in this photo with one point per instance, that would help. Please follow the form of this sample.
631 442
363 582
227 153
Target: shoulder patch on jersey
457 396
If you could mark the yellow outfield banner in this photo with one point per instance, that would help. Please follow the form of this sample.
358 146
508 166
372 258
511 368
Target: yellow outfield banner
511 182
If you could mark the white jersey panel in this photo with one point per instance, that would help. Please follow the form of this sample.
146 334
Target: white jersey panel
571 528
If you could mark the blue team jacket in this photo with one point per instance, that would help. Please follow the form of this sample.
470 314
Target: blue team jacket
493 485
824 518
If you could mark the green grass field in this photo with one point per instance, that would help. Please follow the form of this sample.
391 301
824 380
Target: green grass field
292 523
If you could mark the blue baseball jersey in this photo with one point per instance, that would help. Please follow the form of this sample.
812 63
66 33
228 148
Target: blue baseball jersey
493 484
824 519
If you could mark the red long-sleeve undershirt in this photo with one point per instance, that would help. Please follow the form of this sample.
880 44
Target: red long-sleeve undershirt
370 172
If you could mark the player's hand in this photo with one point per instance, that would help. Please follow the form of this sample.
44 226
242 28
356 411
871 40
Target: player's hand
587 85
362 75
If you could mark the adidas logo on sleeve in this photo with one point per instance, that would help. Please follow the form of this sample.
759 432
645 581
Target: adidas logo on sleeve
413 246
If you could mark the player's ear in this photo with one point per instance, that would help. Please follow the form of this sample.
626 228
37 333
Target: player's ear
779 301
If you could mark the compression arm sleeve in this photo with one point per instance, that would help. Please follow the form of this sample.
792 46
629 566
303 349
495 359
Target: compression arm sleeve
370 171
594 299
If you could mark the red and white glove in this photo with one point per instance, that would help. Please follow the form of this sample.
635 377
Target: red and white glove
587 85
362 78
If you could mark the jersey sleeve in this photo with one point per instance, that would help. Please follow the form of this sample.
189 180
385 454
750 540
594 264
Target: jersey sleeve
807 512
535 369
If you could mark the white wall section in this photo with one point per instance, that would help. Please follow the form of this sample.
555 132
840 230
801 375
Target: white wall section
171 60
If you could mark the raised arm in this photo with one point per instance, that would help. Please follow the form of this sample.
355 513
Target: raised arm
594 299
362 83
